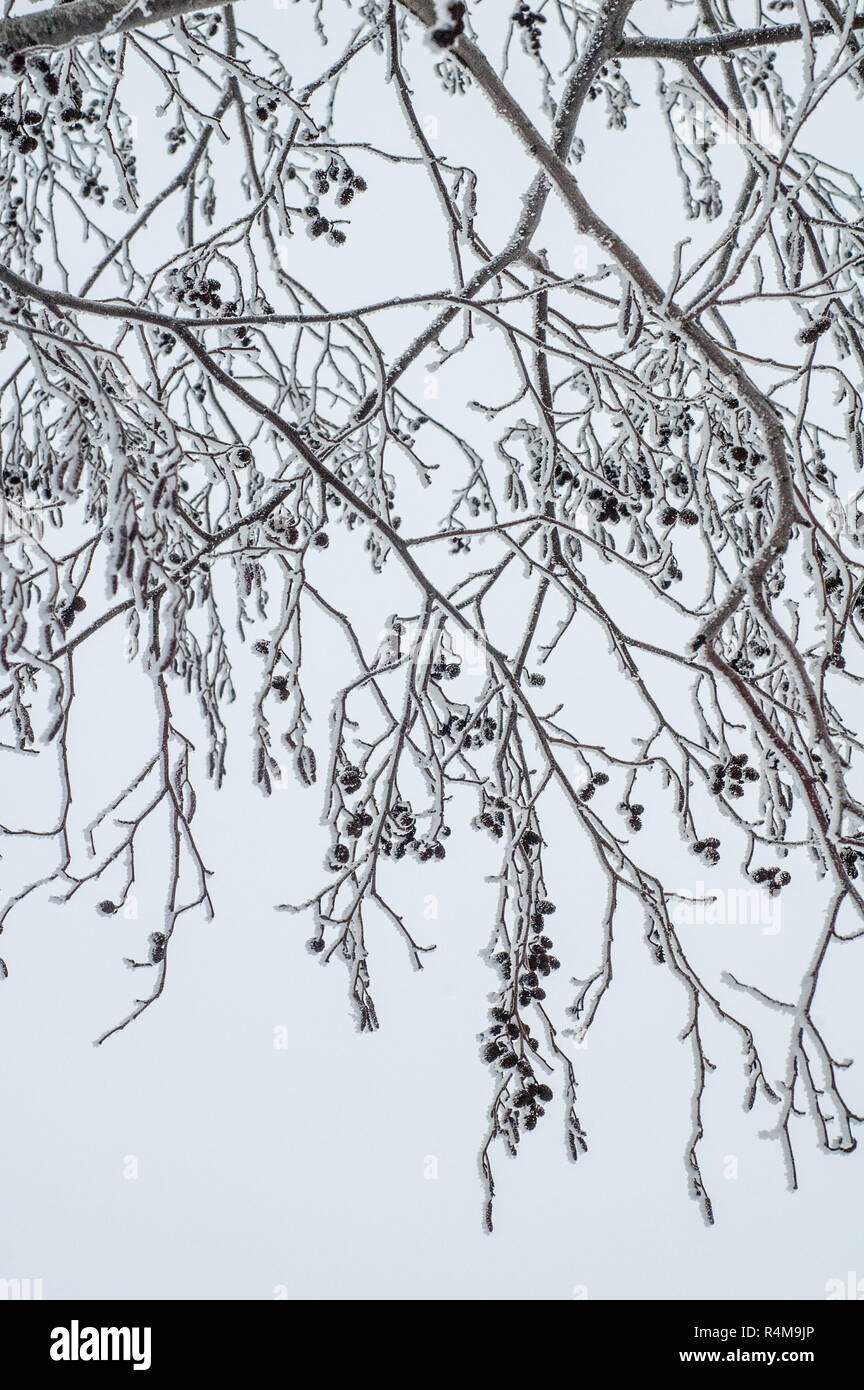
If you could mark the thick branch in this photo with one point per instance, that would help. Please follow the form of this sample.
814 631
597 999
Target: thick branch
716 45
63 25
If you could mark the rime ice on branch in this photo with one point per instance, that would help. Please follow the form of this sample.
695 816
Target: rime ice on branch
200 437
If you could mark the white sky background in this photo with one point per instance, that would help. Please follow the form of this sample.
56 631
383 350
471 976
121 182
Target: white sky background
303 1168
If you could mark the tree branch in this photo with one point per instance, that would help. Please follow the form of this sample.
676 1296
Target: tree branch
716 45
63 25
